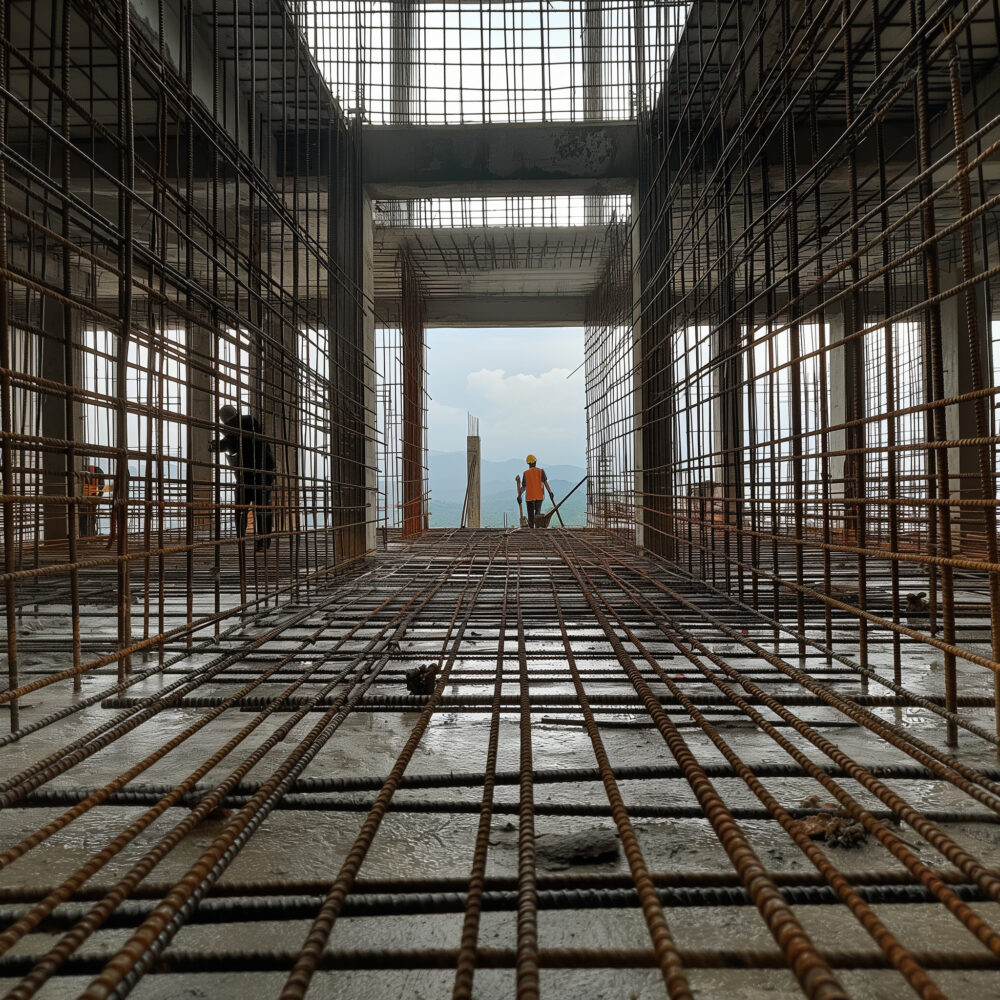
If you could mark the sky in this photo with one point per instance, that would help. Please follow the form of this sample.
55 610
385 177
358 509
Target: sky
516 382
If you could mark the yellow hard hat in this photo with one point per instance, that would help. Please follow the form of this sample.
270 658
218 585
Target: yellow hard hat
531 460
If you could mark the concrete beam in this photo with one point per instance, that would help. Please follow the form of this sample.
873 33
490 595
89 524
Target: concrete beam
491 311
408 161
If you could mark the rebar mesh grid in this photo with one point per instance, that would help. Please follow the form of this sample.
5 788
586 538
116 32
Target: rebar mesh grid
403 482
523 212
178 231
815 274
332 828
513 61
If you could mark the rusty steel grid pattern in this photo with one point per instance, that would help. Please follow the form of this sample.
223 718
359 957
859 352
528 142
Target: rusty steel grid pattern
776 643
791 380
687 722
167 248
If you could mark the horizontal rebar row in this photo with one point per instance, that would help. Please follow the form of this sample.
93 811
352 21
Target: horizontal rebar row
735 796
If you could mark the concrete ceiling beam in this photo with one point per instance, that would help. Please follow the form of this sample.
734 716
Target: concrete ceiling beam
492 310
422 161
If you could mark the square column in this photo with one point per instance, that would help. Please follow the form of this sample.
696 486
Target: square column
657 418
201 427
414 406
280 412
965 481
473 515
846 403
370 402
59 474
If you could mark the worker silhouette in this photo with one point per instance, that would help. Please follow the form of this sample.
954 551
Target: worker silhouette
253 465
534 483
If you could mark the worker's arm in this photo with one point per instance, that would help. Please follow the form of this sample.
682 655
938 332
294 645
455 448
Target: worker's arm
228 443
545 482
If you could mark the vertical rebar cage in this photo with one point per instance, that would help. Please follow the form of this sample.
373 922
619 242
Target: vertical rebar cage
790 405
180 231
815 284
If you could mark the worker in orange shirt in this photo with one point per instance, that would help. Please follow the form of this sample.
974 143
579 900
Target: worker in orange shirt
92 480
534 482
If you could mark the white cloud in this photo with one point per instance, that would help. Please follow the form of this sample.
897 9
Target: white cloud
447 427
530 412
515 382
547 396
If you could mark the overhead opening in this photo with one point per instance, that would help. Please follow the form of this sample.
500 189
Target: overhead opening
521 61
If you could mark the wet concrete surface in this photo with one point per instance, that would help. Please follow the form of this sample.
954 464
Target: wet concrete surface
310 844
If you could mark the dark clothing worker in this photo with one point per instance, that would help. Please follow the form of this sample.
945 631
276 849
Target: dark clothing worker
253 465
534 483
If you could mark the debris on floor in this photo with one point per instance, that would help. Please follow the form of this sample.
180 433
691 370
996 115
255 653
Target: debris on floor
832 825
220 814
420 680
558 851
594 845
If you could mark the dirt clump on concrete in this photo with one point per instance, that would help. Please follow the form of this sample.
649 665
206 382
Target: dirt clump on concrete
420 680
831 825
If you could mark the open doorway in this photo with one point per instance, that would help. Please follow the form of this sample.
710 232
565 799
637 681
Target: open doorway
526 386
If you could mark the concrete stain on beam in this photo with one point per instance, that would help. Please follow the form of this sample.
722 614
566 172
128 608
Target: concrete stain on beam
400 157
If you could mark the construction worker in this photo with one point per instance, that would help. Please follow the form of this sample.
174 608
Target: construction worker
253 465
534 482
92 481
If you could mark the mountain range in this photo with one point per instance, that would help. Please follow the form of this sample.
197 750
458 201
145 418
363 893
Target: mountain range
447 472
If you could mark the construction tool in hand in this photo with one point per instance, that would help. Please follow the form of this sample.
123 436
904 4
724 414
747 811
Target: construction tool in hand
542 520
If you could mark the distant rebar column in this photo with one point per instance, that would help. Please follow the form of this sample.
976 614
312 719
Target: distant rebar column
473 506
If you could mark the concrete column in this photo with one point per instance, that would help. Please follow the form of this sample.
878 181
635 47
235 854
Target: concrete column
639 47
401 61
656 380
593 66
960 419
729 414
593 89
639 479
473 506
279 409
837 439
52 421
368 332
846 368
201 432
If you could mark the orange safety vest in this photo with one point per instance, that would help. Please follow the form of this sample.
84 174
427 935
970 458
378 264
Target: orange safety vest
533 484
93 481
